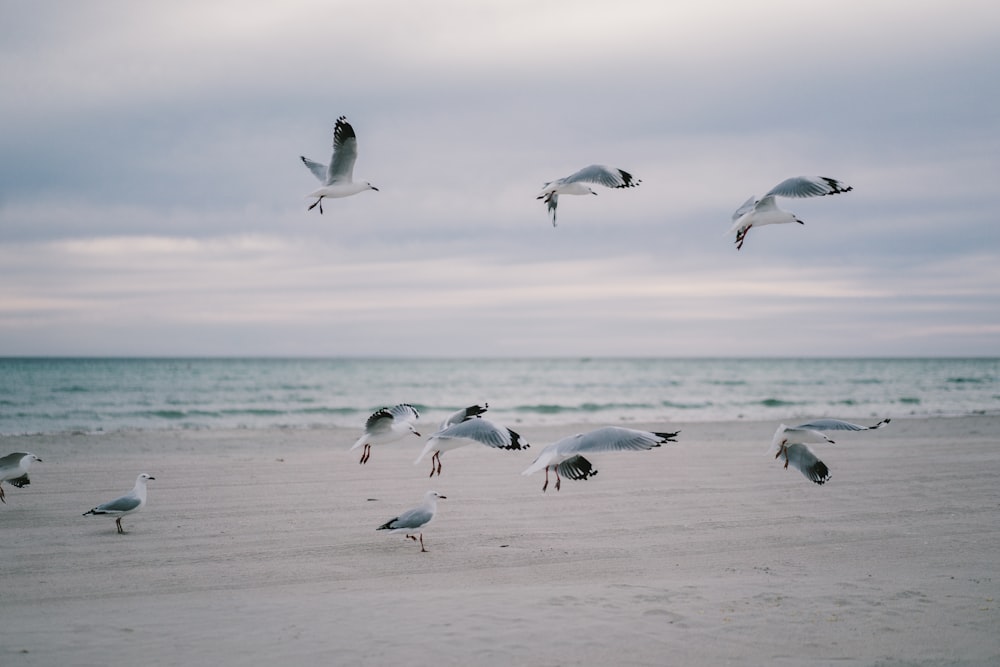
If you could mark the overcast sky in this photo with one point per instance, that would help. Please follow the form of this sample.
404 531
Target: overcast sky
152 201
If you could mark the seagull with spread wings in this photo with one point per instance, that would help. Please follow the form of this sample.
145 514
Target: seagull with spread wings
764 211
790 442
338 177
565 457
574 184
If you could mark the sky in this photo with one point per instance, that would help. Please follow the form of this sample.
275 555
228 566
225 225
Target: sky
152 200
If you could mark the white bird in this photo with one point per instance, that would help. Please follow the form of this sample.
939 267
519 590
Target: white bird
790 442
471 430
574 184
565 456
14 470
764 211
387 425
133 501
412 521
338 177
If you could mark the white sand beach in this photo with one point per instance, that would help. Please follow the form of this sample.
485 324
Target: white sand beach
260 548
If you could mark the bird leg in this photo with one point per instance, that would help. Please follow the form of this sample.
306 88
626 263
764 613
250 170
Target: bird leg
118 522
422 550
546 485
558 479
740 235
1 494
365 453
313 205
437 457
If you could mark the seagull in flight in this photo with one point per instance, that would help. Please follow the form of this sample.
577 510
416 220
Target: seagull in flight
413 520
387 425
466 431
337 177
565 457
133 501
764 211
574 184
790 442
14 470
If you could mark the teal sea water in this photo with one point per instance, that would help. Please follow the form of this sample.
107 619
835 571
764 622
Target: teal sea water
56 395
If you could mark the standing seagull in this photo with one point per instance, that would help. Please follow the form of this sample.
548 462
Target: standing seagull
764 211
337 178
14 470
412 521
574 184
790 442
133 501
471 430
387 425
565 456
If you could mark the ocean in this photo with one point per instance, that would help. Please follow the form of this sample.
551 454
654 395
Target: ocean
92 395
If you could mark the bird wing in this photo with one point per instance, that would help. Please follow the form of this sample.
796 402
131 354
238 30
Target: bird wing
809 186
839 425
745 208
126 503
803 459
483 431
404 412
609 177
345 153
613 439
415 518
576 468
20 482
461 415
318 170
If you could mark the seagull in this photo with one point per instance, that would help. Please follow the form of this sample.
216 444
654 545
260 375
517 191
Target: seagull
133 501
412 521
565 456
466 432
790 442
764 211
14 470
574 184
387 425
337 178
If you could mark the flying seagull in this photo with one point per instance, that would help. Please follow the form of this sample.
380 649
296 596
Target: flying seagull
14 470
764 211
337 177
466 432
412 521
565 456
790 442
133 501
387 425
574 184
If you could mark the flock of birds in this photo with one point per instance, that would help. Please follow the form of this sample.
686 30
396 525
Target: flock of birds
337 180
564 458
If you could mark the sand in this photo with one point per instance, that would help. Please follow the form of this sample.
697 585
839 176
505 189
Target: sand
259 548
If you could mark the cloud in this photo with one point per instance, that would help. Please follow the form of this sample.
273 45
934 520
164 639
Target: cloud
152 200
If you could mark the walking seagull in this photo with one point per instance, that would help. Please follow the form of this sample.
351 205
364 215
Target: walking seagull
790 442
337 178
458 430
387 425
574 184
565 456
14 470
764 211
412 521
133 501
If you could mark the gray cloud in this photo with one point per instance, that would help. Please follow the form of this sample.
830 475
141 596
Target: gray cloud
152 200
